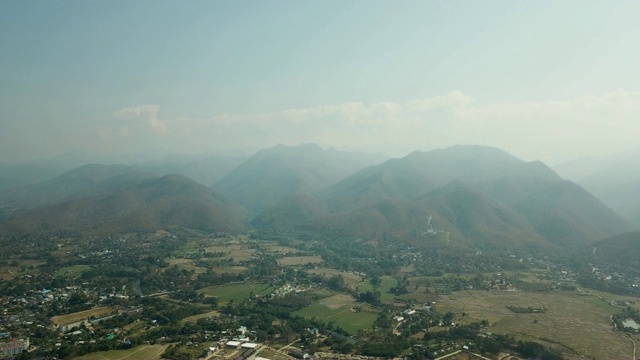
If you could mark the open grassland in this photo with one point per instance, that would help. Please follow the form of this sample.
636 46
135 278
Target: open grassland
195 318
299 260
275 248
144 352
340 309
186 264
71 271
576 321
80 315
8 272
236 292
386 283
231 269
350 279
233 250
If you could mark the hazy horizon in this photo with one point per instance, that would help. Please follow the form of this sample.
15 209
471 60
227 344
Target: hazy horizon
543 81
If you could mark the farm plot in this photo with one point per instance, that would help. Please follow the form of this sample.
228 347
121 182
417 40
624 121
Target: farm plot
145 352
299 260
386 283
237 252
81 315
341 309
350 279
578 322
195 318
186 264
236 292
71 271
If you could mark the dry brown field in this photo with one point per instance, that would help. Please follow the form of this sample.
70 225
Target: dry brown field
575 321
80 315
299 260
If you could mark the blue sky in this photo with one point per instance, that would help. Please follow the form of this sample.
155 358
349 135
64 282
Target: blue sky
543 80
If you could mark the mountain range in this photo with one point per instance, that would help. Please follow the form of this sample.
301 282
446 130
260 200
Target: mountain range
474 196
614 179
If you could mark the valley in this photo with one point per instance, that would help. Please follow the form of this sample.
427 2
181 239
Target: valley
459 253
187 290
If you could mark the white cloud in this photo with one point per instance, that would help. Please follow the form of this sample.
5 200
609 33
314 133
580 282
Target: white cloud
550 131
149 113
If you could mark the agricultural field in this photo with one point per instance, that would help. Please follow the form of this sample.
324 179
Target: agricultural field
571 320
341 310
81 315
186 264
350 279
195 318
386 283
236 292
231 269
235 251
275 248
144 352
71 271
299 260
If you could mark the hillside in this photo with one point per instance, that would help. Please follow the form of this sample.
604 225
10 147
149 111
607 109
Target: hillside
272 174
293 210
205 170
142 206
614 179
483 196
621 250
415 174
76 181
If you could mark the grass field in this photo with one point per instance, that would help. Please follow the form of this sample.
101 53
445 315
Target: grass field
339 309
71 271
235 251
195 318
186 264
236 292
299 260
275 248
580 322
350 279
231 269
386 283
145 352
80 315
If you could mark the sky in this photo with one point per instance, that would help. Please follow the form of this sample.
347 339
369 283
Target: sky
543 80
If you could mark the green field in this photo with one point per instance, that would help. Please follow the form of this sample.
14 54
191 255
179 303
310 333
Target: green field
145 352
339 309
387 282
71 271
236 292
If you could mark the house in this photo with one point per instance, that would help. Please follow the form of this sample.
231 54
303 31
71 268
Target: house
13 347
251 346
398 318
233 344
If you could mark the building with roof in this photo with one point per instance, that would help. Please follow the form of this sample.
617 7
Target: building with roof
13 347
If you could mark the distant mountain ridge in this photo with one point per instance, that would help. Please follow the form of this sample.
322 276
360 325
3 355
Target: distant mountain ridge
273 174
614 179
146 205
482 195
